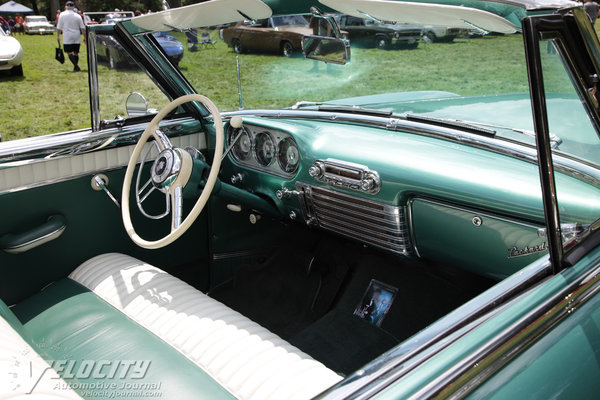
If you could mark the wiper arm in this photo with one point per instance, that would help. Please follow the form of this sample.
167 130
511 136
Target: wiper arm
555 141
343 108
451 123
304 103
354 110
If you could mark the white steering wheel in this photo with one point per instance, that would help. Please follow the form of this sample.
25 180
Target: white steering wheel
170 172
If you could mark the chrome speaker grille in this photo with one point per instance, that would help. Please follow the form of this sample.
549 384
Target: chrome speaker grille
376 224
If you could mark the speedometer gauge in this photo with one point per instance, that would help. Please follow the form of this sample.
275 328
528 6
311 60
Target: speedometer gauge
264 148
243 144
287 156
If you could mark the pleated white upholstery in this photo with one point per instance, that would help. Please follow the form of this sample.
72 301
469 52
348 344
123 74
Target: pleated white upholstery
24 374
243 357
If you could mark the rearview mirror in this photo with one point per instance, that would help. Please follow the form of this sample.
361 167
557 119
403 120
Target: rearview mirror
326 49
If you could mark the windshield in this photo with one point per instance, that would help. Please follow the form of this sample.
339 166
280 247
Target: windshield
454 75
37 19
290 20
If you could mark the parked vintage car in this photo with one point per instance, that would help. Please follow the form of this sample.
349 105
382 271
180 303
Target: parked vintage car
11 54
442 33
340 231
38 25
279 35
113 53
369 32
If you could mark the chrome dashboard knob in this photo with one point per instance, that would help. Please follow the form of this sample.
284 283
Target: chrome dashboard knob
367 184
315 171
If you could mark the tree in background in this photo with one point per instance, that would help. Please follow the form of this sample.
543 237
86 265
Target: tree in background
49 8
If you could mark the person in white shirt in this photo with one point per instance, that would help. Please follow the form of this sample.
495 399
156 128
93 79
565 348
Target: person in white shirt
70 25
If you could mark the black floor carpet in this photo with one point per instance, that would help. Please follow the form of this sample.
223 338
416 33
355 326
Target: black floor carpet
307 294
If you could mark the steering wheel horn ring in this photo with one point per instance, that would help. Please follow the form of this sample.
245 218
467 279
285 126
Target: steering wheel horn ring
171 171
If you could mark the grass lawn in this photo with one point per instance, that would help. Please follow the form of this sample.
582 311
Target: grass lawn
51 98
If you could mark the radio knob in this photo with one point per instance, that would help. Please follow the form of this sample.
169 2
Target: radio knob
315 171
367 184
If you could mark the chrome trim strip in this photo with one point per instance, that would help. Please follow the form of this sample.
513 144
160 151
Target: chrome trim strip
40 172
34 149
93 80
576 168
402 359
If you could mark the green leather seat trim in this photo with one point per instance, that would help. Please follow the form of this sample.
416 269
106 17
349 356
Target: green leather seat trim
103 347
9 316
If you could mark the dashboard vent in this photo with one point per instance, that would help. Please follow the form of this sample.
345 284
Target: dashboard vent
376 224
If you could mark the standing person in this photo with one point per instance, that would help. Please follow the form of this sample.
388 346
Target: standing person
72 27
11 24
591 9
4 25
19 24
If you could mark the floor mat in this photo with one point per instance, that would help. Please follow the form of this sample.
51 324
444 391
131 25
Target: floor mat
289 291
343 342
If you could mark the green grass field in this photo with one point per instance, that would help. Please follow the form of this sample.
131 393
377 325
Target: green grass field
51 98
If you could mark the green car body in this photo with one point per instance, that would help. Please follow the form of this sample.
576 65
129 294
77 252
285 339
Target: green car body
499 192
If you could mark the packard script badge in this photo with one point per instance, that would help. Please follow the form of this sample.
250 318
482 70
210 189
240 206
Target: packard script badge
515 252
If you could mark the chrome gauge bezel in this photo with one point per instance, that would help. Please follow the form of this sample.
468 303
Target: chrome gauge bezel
241 137
265 150
288 155
275 162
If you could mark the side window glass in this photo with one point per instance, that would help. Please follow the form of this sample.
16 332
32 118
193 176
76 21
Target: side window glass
571 128
119 76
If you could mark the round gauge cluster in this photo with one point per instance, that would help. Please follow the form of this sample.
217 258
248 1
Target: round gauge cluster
275 152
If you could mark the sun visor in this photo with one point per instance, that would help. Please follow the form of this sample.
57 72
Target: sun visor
423 14
214 12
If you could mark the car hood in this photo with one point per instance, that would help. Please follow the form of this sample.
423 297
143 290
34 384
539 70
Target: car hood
9 47
30 24
509 115
490 109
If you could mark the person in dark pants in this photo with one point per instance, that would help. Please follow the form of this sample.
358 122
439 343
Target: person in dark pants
71 26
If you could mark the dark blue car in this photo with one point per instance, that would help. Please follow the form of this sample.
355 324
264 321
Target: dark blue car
114 54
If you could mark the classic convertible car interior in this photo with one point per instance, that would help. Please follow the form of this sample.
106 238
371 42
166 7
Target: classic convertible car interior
331 242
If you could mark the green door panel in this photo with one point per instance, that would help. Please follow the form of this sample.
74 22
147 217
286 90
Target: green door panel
483 243
563 364
79 331
93 226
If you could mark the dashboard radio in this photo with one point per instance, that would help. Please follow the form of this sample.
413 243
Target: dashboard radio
346 174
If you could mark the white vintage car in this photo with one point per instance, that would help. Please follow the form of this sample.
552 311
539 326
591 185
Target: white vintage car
38 24
11 54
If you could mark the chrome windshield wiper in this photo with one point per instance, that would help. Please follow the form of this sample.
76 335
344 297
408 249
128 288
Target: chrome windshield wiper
451 123
342 108
554 139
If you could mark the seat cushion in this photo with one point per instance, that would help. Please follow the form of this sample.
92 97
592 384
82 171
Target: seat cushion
97 349
23 372
242 357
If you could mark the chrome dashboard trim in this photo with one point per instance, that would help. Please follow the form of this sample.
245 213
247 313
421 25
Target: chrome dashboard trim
379 225
576 168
